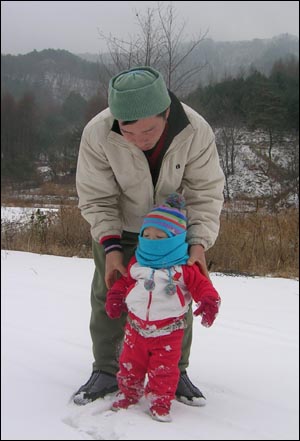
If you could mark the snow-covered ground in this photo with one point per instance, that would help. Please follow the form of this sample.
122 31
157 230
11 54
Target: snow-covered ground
247 364
251 178
22 214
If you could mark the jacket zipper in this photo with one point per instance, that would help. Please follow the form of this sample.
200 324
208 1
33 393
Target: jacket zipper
148 306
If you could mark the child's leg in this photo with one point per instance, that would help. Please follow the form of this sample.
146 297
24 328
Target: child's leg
133 367
163 372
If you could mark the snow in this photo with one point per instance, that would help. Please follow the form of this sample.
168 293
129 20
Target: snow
22 214
251 158
246 365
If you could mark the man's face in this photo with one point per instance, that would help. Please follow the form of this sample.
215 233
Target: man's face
144 133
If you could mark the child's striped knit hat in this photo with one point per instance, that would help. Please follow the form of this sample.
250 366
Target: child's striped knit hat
168 217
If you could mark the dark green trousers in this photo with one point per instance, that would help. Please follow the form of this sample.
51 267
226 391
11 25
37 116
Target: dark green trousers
107 334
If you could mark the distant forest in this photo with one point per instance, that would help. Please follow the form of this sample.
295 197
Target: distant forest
39 133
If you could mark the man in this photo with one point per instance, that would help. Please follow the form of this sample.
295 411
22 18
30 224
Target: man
145 146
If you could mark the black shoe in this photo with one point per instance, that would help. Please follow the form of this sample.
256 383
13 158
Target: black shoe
99 385
188 393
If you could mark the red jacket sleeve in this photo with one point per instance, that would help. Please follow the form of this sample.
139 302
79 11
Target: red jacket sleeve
198 285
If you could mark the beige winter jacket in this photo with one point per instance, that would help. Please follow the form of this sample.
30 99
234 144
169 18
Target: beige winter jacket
115 187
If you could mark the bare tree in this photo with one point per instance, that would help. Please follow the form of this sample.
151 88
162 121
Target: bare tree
228 137
159 43
148 50
174 56
281 179
141 49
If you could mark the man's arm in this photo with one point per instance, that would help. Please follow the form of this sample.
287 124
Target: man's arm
203 185
97 189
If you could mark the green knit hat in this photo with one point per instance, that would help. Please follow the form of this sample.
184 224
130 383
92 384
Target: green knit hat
138 93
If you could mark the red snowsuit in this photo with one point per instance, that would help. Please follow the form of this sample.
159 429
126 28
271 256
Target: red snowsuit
155 326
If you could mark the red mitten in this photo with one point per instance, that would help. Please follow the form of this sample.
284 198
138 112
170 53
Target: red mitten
208 308
115 304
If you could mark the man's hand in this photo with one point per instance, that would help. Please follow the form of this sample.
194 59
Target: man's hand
113 267
197 255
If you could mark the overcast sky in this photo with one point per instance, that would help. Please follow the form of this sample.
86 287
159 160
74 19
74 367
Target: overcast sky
75 25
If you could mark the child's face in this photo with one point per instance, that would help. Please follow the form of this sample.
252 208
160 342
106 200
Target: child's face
154 233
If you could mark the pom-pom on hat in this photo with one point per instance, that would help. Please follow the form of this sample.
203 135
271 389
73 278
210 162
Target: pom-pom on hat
168 217
138 93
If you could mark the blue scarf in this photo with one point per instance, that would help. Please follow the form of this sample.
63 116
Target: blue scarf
162 253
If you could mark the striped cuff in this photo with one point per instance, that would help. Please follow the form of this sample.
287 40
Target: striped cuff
111 243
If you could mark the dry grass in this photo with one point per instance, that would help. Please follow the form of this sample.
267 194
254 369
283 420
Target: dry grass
64 233
255 243
46 193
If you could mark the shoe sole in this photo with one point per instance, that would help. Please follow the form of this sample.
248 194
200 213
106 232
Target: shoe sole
81 400
195 401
